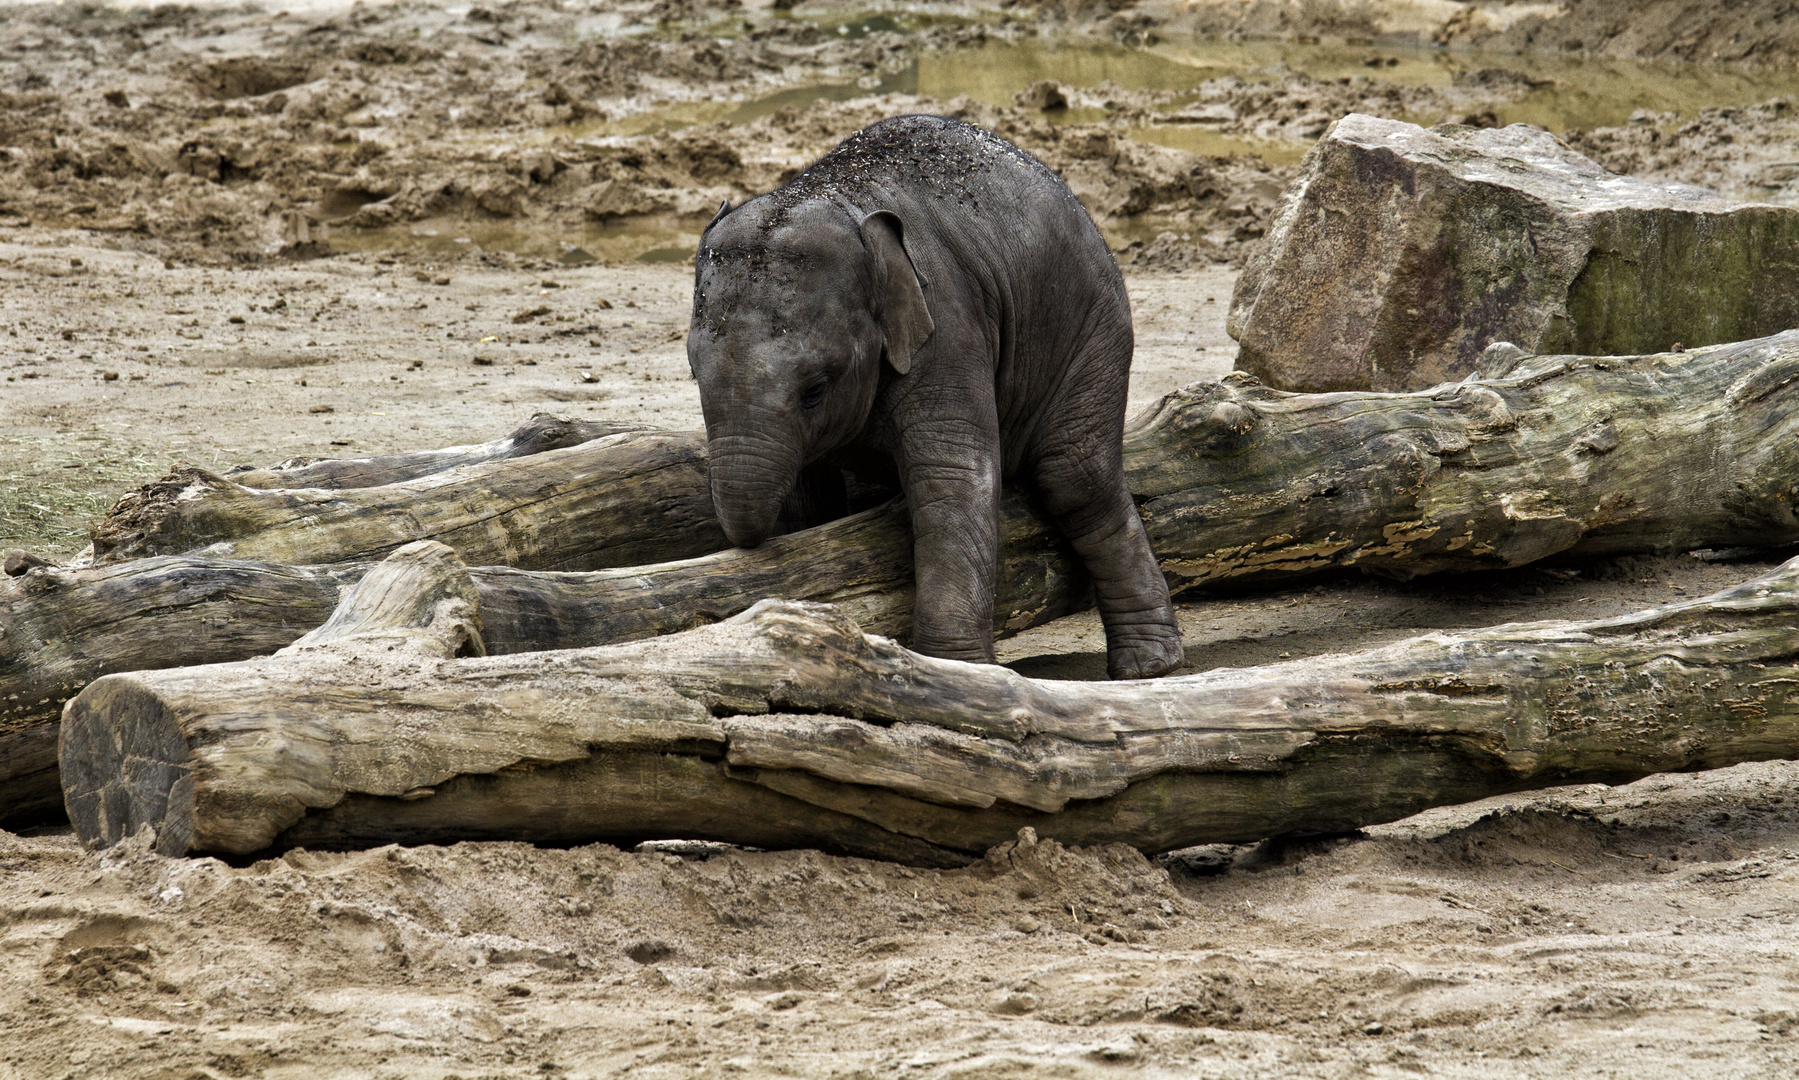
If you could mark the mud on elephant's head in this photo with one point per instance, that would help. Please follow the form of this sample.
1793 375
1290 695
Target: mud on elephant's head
796 308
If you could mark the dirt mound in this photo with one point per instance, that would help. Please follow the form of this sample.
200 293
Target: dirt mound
1744 153
231 186
1169 251
493 924
1750 31
381 116
248 76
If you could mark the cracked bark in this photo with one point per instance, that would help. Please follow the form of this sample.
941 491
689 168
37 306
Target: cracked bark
788 726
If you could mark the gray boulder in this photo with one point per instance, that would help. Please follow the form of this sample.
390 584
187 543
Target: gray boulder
1400 254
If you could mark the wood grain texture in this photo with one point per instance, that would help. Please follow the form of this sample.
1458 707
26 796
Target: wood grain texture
374 732
544 431
1236 483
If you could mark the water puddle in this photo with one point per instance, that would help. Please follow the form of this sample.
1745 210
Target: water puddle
1568 92
1565 92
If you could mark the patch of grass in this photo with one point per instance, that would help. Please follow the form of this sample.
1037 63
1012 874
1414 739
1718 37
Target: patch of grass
53 488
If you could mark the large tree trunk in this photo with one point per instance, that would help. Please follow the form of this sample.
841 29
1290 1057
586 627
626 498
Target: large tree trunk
788 726
1235 482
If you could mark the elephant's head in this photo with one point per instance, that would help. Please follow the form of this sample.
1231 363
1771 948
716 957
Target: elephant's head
795 310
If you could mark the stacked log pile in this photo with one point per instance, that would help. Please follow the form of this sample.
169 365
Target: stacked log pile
788 726
1236 482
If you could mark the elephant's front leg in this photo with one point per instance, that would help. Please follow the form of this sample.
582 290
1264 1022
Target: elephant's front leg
950 470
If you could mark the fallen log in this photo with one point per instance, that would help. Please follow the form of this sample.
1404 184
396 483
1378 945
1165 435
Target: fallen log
1236 483
575 508
788 726
59 628
1565 450
544 431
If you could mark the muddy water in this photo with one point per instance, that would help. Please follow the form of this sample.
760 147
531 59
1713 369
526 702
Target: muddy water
1570 92
1565 92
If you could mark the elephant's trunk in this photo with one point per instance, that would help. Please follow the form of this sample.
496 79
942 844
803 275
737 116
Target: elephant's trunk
751 475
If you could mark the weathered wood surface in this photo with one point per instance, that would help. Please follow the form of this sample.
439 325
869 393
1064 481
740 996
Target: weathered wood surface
1236 483
580 507
789 726
1662 451
544 431
59 628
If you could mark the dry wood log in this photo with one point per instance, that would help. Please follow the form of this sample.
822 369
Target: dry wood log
1236 483
1653 452
576 508
789 726
544 431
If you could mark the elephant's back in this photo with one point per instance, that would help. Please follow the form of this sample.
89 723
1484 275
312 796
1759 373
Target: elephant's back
933 160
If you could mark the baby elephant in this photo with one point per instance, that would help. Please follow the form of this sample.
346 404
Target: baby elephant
929 300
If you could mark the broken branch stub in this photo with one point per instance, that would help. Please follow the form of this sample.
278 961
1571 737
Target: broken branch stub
788 726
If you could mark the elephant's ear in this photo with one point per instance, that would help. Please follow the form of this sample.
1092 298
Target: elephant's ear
905 321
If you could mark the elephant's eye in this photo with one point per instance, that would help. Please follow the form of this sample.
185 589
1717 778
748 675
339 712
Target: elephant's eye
814 394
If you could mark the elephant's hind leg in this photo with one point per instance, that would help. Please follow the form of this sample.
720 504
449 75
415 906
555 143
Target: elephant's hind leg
1080 477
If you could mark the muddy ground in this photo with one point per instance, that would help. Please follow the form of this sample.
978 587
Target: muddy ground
231 236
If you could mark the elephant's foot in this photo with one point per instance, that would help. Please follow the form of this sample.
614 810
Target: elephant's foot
973 652
1143 652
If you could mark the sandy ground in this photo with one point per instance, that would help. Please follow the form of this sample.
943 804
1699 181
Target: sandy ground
248 316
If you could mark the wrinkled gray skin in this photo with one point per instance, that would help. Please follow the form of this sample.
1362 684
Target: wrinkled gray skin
929 299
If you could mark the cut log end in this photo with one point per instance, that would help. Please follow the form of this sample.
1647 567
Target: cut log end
130 770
